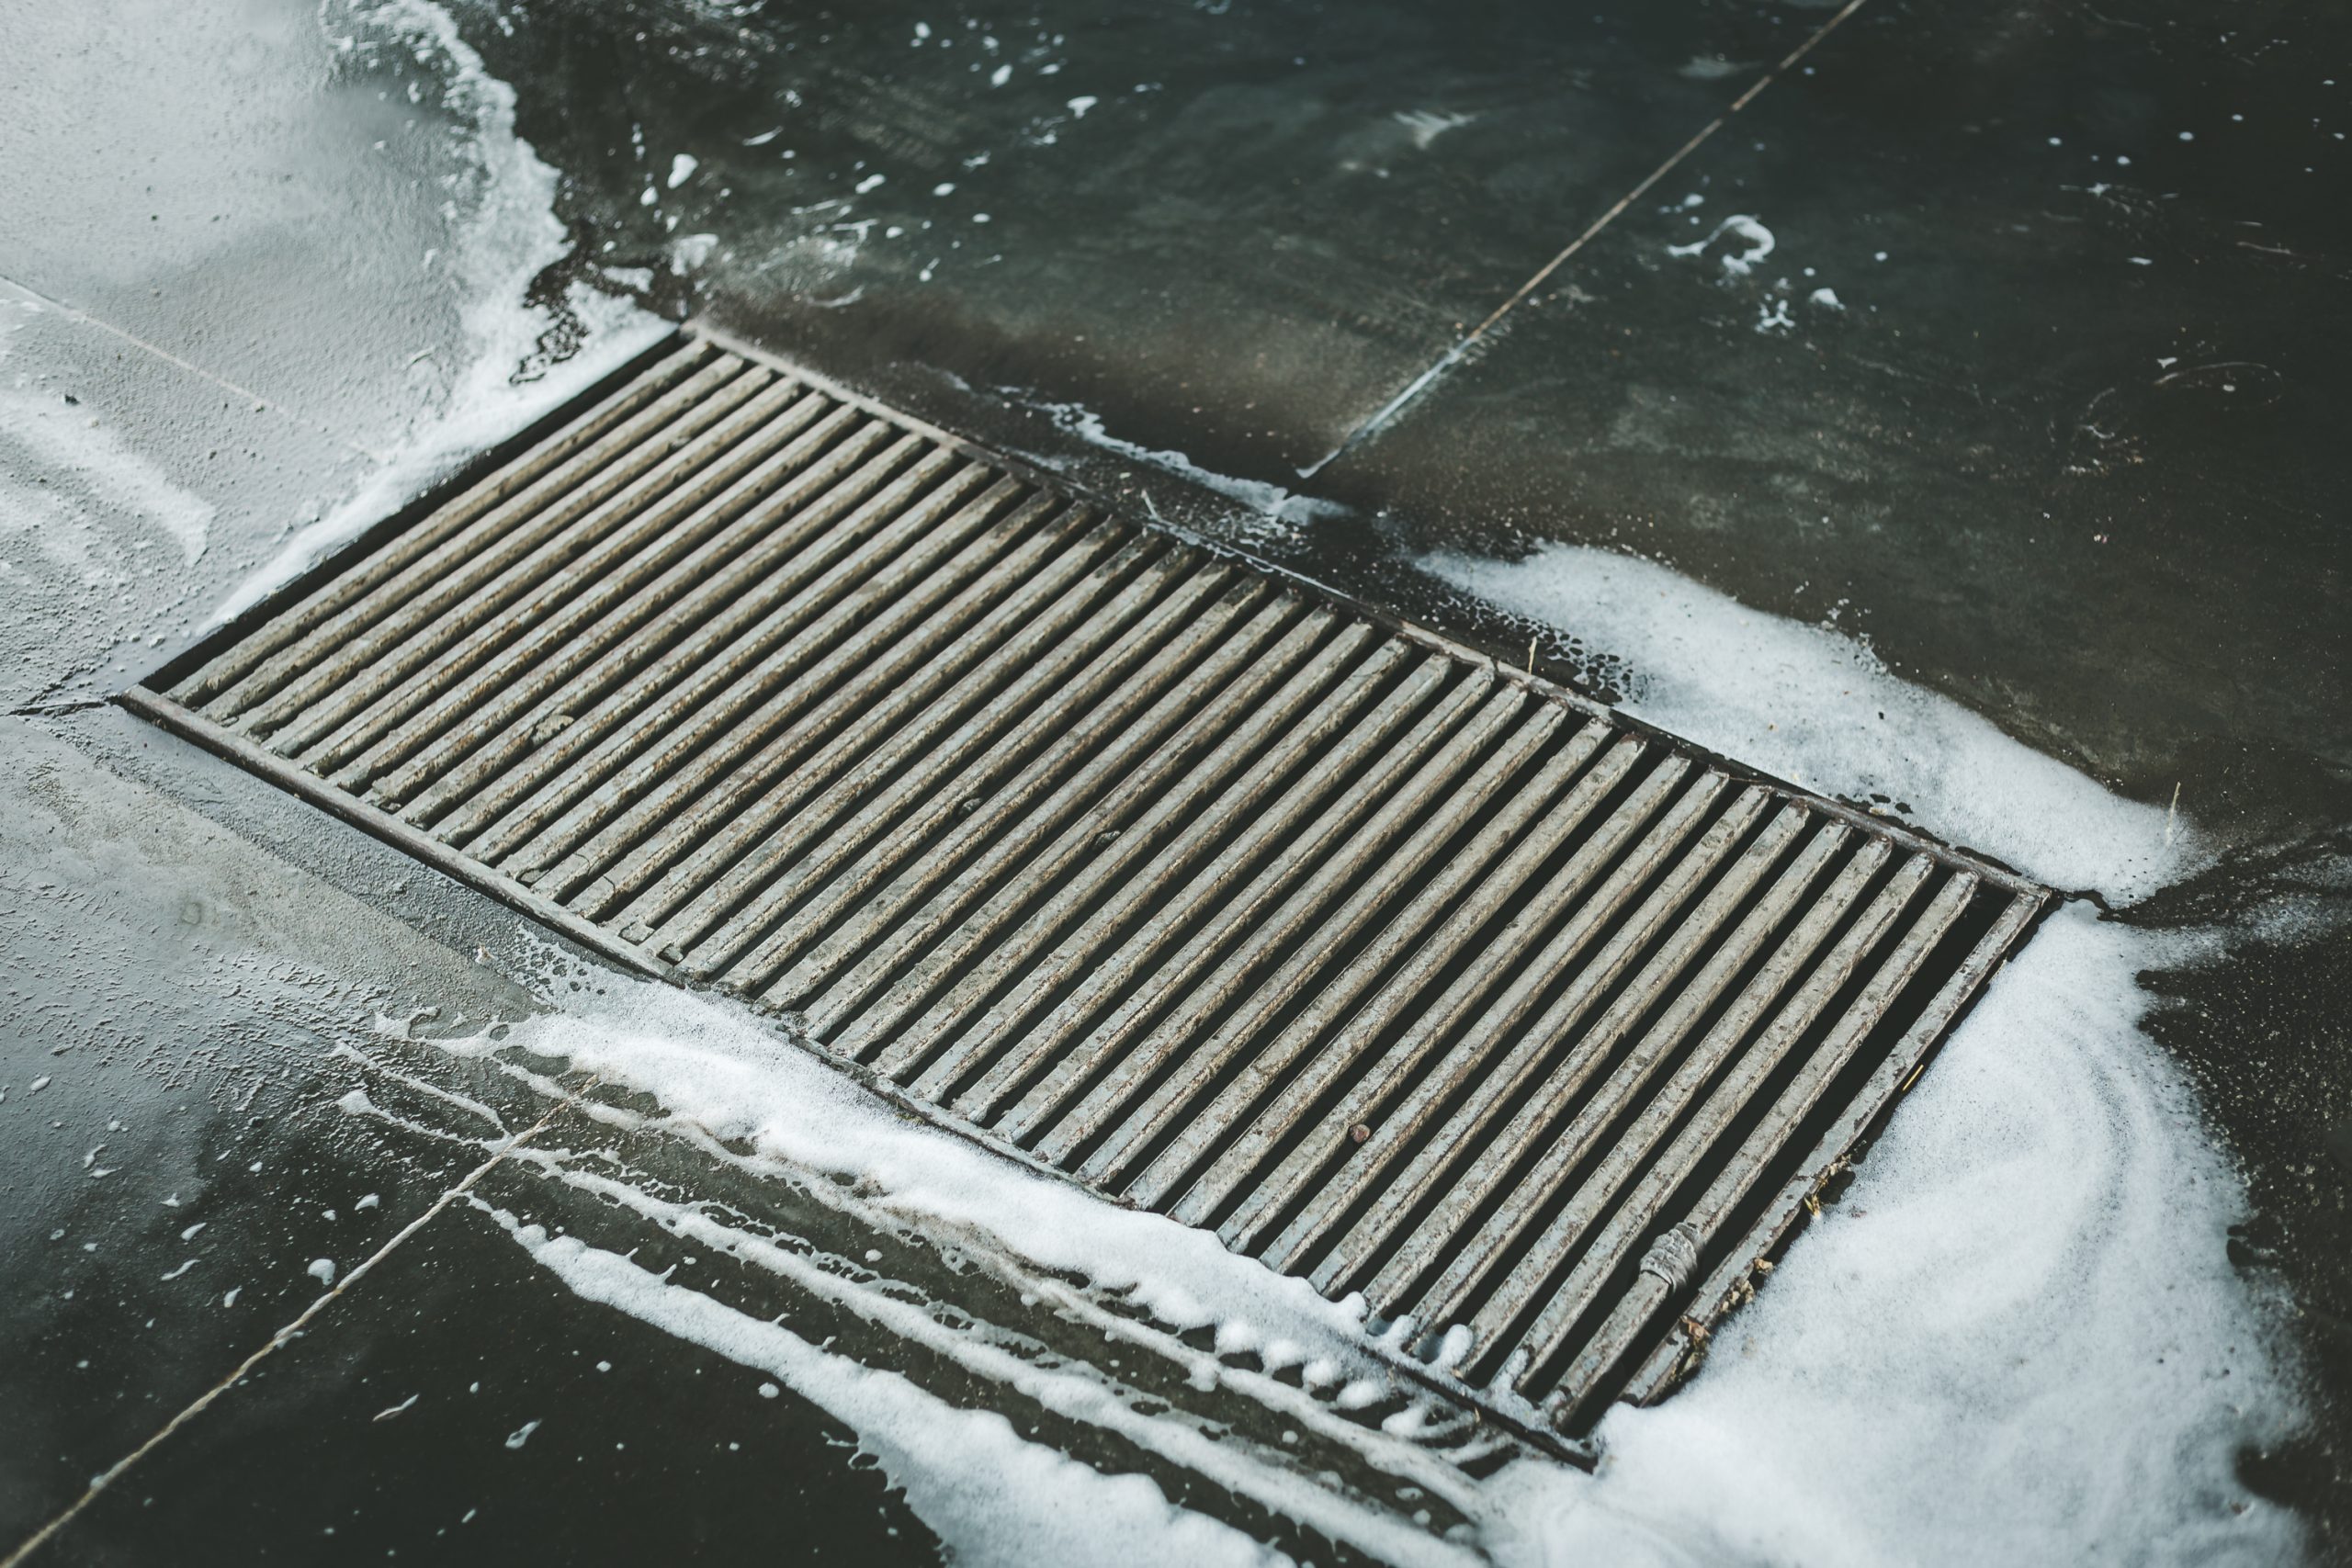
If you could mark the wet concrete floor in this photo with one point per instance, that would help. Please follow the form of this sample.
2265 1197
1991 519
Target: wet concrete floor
2016 339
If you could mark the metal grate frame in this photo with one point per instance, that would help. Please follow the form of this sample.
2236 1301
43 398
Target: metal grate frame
1137 860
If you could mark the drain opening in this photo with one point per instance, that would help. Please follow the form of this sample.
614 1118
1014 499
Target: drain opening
1413 975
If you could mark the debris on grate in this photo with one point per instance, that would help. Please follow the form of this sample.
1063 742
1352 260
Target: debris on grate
1402 971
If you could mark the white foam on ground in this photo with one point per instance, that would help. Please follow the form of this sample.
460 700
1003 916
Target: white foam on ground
1820 709
720 1071
994 1498
1076 419
58 466
1425 126
507 236
1087 1394
1741 226
2018 1337
1279 512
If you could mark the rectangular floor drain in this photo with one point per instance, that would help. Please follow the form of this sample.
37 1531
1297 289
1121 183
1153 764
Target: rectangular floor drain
1409 974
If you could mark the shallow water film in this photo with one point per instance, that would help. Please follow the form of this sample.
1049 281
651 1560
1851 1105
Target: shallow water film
1938 407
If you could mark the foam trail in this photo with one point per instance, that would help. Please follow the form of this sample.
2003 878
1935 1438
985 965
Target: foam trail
1820 709
2018 1337
993 1497
1279 510
715 1069
509 235
1085 1397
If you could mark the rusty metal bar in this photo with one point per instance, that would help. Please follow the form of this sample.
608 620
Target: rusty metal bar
1733 1280
1020 764
1371 854
937 674
1443 1165
387 616
894 633
912 564
1119 734
490 736
1422 1011
1241 818
590 604
1496 1052
1469 1259
1307 697
1665 1271
1363 923
501 822
476 626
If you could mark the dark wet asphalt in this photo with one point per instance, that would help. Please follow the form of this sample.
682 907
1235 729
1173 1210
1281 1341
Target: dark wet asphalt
2070 453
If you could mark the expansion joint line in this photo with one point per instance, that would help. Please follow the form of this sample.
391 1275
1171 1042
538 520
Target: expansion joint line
1453 356
77 313
288 1334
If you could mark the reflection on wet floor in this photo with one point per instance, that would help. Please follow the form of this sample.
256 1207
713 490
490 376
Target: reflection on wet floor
2009 341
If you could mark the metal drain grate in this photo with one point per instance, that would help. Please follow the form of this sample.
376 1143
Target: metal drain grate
1411 974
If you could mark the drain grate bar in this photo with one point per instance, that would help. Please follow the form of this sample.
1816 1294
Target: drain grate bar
1402 972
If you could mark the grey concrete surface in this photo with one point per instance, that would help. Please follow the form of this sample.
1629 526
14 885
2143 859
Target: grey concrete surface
2070 454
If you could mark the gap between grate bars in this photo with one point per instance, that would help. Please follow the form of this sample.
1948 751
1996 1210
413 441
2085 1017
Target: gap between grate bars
1403 972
